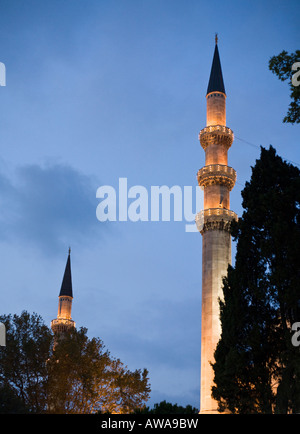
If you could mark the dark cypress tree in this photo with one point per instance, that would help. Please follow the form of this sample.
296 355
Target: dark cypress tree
257 368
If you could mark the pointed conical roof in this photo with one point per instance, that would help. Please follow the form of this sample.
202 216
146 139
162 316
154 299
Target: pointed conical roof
66 286
216 83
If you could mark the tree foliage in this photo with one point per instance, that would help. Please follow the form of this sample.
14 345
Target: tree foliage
76 375
281 66
257 369
23 369
84 378
165 407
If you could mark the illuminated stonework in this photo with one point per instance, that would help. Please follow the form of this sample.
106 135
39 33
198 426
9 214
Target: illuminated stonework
217 179
64 323
215 218
217 174
216 135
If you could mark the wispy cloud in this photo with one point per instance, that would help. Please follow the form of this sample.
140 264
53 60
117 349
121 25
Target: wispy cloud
48 206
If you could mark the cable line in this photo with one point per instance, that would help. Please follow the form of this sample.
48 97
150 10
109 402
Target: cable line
258 147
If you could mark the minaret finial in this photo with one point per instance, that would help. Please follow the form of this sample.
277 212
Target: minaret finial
69 250
216 38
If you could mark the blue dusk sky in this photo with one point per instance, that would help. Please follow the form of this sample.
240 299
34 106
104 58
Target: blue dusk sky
98 90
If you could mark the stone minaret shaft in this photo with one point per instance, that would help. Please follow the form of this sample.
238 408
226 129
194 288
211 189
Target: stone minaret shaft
63 323
217 179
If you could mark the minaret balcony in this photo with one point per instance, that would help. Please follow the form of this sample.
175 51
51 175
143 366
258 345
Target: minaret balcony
215 219
216 135
216 174
60 325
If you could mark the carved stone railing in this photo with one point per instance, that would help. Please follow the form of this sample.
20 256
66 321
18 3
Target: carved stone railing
216 135
216 174
59 325
215 219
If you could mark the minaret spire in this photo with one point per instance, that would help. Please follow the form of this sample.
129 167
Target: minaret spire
217 179
216 83
66 286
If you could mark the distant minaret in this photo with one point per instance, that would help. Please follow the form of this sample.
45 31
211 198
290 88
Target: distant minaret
63 323
217 179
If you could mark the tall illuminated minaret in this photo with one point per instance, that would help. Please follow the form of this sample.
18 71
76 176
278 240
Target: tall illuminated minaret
63 323
217 179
